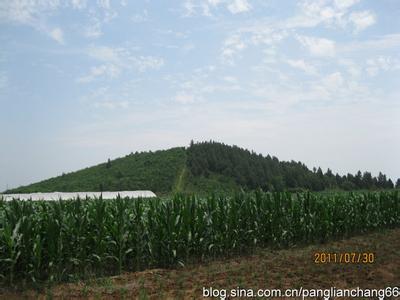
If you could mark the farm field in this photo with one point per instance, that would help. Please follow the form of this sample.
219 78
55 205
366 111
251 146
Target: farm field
200 149
54 241
288 268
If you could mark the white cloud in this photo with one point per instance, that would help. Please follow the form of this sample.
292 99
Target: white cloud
35 13
183 97
57 35
332 14
313 13
192 8
109 70
362 20
105 53
318 46
189 8
116 60
144 63
343 4
201 86
105 98
97 17
104 4
188 47
263 34
32 13
302 65
232 46
111 104
215 2
333 81
382 63
125 58
270 55
94 29
352 68
238 6
141 17
79 4
205 7
231 79
26 12
253 34
380 43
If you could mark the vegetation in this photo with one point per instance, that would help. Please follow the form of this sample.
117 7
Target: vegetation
60 240
262 268
250 170
203 168
154 171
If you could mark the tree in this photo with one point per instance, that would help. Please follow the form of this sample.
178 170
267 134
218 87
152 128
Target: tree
358 179
367 180
347 185
338 179
318 180
381 180
390 184
278 183
398 183
330 174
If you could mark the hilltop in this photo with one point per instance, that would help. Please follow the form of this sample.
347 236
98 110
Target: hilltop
203 167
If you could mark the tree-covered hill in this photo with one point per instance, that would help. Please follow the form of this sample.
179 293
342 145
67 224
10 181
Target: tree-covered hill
251 171
156 171
204 167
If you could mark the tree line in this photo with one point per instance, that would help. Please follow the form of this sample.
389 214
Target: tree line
251 171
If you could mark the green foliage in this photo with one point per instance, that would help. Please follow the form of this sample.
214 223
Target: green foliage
251 171
156 171
62 240
203 168
214 183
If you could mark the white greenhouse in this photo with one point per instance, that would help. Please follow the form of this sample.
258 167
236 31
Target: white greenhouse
81 195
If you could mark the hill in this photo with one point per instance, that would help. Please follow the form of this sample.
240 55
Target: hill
156 171
203 167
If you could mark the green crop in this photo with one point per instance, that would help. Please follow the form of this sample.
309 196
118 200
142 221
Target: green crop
62 240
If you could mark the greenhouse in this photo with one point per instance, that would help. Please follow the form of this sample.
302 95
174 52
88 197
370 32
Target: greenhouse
81 195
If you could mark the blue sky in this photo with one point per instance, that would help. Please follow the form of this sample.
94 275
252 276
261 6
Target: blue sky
82 81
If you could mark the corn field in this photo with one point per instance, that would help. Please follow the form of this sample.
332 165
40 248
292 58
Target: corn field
63 240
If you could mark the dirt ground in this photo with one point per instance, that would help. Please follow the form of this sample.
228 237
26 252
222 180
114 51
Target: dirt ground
277 269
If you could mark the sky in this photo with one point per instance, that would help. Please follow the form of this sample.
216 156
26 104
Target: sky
311 81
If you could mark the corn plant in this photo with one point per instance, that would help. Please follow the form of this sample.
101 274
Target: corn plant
63 240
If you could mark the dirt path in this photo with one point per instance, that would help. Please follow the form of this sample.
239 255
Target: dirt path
179 183
290 268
